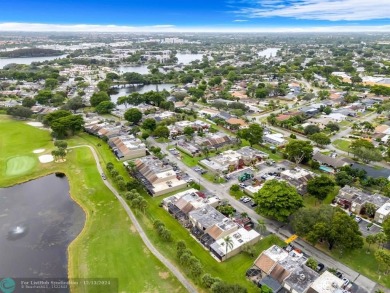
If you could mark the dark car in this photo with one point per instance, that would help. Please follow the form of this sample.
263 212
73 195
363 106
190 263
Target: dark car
320 267
340 275
253 204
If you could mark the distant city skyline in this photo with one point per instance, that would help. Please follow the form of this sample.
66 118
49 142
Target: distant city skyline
196 16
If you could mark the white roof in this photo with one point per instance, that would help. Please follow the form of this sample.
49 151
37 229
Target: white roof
384 210
327 283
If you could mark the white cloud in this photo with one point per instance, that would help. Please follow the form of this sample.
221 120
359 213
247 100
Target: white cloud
332 10
240 20
39 27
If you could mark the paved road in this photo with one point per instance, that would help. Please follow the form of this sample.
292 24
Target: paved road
175 271
222 191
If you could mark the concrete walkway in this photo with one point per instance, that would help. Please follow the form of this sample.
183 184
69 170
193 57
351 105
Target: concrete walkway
175 271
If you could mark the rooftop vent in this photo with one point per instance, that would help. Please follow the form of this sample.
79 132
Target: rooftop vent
302 277
334 285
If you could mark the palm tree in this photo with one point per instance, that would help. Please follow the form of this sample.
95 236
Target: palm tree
143 204
244 215
381 239
228 243
261 226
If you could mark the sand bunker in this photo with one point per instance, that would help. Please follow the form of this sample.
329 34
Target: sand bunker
46 158
35 124
38 151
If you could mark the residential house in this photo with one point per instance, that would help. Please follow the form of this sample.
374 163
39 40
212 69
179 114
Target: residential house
329 161
382 213
127 147
327 283
238 238
300 280
298 177
355 199
157 177
274 139
205 218
236 121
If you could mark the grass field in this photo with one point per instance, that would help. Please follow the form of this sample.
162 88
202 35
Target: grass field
20 165
342 144
108 246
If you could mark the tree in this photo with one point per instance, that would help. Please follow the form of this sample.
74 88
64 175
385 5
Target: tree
149 124
320 138
51 83
228 242
104 86
278 199
49 118
332 126
133 115
320 187
323 94
99 97
195 267
74 104
61 144
105 107
312 263
370 209
43 97
343 178
134 78
328 224
235 187
19 111
124 100
109 166
370 239
311 129
386 227
261 226
253 134
67 125
381 239
188 131
28 102
382 256
368 155
299 151
161 131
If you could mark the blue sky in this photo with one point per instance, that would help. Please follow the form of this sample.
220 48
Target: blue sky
195 15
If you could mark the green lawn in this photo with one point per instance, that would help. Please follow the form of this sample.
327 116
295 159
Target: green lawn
108 246
237 194
213 178
20 165
342 144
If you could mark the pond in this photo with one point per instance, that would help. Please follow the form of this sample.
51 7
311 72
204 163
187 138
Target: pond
140 89
38 220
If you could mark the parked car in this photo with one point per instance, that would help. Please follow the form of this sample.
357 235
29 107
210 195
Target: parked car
358 219
253 204
103 176
340 275
320 267
346 282
242 185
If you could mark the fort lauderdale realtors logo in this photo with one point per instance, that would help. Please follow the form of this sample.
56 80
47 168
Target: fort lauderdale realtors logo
7 285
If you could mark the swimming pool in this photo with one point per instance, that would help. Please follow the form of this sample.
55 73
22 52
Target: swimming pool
326 169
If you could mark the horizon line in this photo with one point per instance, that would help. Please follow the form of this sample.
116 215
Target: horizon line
169 28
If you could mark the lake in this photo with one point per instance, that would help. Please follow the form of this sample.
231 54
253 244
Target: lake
38 220
183 58
268 53
28 60
188 58
141 89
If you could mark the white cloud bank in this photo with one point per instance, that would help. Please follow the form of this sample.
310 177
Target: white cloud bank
332 10
40 27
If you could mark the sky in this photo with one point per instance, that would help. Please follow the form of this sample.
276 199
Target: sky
195 15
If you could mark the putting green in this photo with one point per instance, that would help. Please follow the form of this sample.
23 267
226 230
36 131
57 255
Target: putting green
20 165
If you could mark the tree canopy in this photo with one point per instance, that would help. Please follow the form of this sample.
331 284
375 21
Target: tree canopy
133 115
278 199
299 151
328 224
253 134
320 186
